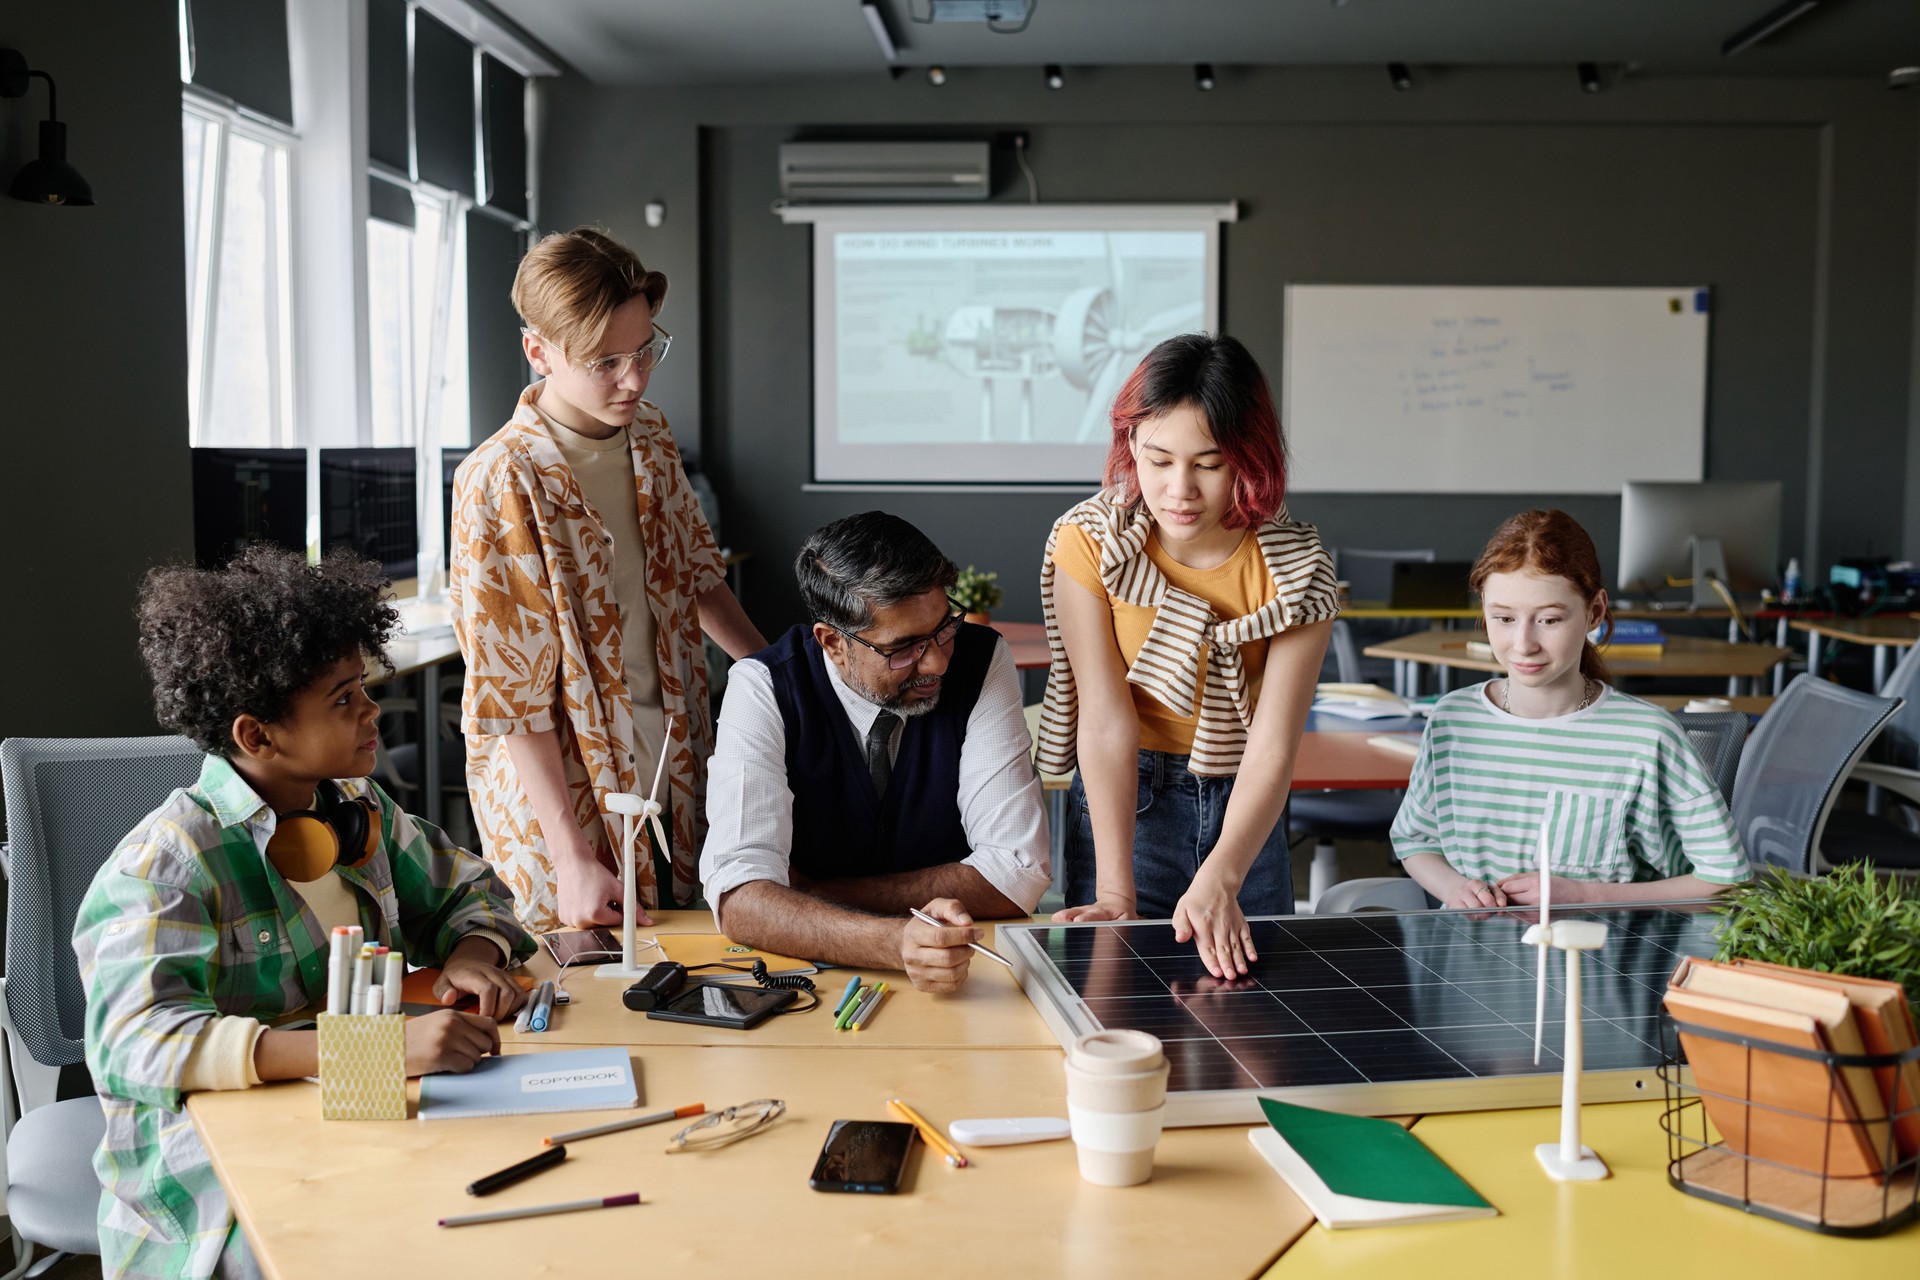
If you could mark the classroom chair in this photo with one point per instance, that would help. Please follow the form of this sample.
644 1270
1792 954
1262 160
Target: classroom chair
1372 893
1719 737
70 801
1884 835
1793 768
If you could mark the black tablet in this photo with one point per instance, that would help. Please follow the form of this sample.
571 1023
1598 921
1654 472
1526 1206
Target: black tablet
719 1004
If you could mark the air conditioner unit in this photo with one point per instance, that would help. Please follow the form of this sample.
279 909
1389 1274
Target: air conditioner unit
816 172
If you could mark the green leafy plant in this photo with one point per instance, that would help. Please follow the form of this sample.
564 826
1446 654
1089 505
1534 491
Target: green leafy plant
1849 922
974 591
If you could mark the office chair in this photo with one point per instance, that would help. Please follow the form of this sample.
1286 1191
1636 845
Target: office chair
1373 893
69 804
1718 736
1793 768
1879 835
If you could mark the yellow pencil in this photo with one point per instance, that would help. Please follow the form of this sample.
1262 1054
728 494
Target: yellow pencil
933 1136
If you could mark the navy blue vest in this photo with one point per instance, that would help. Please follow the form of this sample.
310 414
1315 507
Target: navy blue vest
840 828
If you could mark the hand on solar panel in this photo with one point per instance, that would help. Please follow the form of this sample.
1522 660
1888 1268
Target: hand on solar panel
1524 889
1475 893
936 958
1209 914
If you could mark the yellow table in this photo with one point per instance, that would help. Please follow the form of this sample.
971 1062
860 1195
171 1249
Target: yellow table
1632 1224
1684 656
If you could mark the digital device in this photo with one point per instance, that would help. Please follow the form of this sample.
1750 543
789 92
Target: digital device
1725 530
714 1004
244 496
450 460
656 987
368 502
1430 584
864 1156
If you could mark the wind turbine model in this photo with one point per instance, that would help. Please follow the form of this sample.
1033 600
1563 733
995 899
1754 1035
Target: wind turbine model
633 812
1566 1160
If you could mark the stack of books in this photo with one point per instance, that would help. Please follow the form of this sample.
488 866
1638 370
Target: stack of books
1778 1112
1632 640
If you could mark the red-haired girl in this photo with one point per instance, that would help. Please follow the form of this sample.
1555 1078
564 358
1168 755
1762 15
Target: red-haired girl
1187 616
1629 811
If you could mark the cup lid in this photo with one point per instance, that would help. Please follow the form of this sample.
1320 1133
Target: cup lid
1116 1053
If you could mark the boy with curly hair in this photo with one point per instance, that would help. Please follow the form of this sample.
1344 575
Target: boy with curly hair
202 928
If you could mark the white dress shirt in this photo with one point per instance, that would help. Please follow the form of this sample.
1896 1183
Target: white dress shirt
750 808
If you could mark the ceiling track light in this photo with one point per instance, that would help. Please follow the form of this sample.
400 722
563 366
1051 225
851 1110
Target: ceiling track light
1054 75
1765 25
1203 76
936 75
1401 75
877 22
48 179
1589 77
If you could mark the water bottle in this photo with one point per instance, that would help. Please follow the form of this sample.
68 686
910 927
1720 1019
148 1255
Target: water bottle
1790 585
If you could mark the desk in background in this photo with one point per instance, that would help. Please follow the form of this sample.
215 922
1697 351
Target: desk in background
1741 664
422 656
1883 633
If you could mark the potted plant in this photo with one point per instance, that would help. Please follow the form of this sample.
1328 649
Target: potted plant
975 593
1850 922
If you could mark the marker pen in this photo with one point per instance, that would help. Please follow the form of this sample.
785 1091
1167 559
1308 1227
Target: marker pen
391 977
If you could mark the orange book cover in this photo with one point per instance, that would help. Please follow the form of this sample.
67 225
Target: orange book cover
1886 1026
1770 1105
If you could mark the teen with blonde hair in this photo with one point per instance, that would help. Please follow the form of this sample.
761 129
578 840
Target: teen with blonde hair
1628 810
583 576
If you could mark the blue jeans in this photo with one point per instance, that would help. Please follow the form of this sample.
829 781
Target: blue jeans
1177 817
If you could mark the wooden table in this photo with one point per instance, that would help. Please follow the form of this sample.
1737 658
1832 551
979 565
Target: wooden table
1753 705
1028 640
1741 664
1883 633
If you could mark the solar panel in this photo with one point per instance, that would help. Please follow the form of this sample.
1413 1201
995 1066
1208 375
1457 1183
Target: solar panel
1377 1013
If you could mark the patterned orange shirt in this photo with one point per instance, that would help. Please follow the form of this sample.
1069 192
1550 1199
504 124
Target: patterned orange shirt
532 593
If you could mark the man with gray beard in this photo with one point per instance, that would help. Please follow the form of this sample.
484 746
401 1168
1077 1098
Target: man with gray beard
870 762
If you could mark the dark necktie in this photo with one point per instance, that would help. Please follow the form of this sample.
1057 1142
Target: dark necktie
879 763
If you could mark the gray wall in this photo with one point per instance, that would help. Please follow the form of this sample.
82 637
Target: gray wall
1795 199
94 361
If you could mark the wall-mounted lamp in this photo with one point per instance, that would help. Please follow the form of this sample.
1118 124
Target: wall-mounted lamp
655 212
936 76
1589 78
1401 75
1054 76
49 179
1203 76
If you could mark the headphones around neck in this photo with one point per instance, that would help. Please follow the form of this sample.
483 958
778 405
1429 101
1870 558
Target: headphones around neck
340 830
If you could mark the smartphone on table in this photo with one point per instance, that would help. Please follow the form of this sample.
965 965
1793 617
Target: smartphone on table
863 1155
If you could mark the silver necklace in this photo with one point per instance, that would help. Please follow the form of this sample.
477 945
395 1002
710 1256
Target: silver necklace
1589 689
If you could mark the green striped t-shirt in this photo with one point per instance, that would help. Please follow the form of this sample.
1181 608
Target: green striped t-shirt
1621 791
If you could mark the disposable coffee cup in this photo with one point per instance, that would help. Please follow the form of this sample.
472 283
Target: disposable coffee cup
1116 1104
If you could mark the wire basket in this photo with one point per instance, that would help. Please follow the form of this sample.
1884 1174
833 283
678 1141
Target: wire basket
1775 1129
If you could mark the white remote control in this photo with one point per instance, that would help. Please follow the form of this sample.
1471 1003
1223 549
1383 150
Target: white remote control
1003 1133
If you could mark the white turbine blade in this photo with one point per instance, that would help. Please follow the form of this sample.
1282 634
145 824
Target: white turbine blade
1174 320
1540 988
660 834
660 768
1540 1004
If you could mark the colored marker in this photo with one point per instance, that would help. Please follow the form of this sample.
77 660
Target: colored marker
599 1130
516 1172
860 1006
339 979
542 1007
540 1210
390 977
866 1015
362 976
848 1010
853 985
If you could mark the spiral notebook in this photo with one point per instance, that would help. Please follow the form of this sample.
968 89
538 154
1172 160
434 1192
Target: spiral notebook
526 1084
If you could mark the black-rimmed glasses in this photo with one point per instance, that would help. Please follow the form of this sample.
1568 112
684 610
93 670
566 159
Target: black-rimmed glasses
907 652
720 1128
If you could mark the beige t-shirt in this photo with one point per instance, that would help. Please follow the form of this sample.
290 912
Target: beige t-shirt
604 469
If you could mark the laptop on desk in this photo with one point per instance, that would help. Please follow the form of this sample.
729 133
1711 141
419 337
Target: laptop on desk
1430 584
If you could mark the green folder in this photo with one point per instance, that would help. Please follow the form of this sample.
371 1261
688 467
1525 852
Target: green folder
1369 1159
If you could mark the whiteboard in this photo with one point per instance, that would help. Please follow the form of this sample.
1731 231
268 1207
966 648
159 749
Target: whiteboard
1446 389
983 345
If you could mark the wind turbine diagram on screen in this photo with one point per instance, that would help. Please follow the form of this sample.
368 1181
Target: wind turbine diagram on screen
1566 1160
636 812
1092 341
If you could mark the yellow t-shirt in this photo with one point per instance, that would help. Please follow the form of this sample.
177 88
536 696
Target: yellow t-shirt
1236 587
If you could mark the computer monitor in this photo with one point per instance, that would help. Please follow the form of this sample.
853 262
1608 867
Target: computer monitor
244 496
450 460
1725 529
367 502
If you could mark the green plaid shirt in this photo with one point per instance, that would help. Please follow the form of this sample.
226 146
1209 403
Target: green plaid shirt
186 921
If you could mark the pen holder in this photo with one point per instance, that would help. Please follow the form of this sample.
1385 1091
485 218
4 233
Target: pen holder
363 1066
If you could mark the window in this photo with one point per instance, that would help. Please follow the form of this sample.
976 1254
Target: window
239 314
417 321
